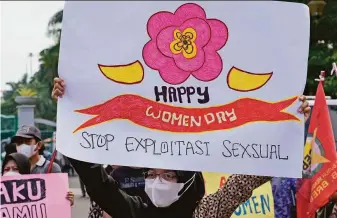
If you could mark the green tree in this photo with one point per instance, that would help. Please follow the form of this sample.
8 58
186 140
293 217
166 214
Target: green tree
49 56
42 81
323 49
48 70
322 55
48 65
8 105
54 25
320 59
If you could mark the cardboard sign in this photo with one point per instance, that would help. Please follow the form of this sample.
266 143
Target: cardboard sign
35 196
260 205
208 86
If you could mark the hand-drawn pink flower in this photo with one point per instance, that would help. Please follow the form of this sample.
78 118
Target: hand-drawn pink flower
185 43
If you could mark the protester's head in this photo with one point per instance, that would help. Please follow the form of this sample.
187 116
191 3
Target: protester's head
15 164
170 188
10 148
28 141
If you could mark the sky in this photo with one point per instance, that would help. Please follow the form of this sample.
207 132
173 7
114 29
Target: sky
23 31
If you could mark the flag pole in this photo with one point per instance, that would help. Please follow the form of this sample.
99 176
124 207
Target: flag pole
321 77
334 69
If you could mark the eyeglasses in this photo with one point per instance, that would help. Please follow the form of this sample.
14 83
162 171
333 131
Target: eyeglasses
169 176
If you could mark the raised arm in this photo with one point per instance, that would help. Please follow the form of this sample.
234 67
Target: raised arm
105 191
237 190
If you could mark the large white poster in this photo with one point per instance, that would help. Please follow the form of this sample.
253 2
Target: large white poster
207 86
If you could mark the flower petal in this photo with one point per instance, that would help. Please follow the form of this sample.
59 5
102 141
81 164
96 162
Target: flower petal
188 11
211 36
159 21
212 67
202 29
172 74
153 57
203 34
168 70
219 34
163 19
192 64
164 39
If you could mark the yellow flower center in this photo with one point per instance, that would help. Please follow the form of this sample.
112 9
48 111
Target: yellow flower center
184 43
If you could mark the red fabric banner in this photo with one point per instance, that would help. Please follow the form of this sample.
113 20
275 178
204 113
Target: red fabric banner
315 192
165 117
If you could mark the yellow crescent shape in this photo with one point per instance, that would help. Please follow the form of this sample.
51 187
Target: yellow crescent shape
243 81
132 73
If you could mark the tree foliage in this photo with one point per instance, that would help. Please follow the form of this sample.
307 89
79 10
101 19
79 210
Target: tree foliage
42 81
321 57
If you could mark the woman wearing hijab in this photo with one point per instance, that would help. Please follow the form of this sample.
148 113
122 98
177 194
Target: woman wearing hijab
170 193
18 164
15 164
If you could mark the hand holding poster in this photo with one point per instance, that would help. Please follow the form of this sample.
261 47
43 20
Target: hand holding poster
35 196
178 85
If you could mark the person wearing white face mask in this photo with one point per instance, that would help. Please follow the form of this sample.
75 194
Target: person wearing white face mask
163 188
170 193
28 142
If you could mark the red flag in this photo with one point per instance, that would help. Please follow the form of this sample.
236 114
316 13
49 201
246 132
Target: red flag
315 192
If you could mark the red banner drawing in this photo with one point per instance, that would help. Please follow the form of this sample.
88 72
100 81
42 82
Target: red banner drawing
164 117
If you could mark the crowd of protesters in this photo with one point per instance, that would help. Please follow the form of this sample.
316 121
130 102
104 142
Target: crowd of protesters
24 156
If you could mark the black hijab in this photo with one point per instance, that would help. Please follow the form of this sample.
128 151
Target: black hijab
21 161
